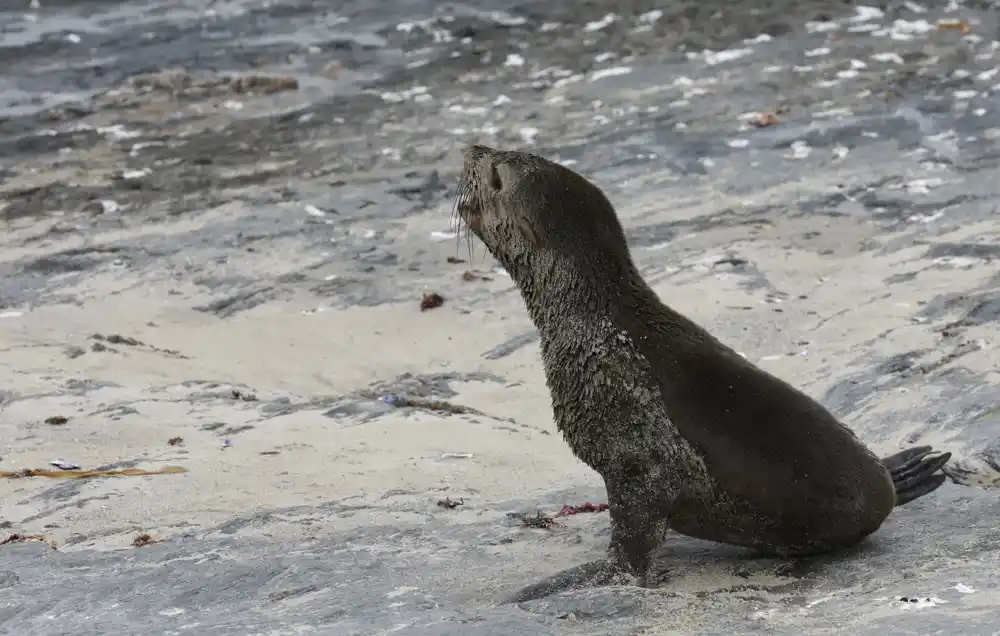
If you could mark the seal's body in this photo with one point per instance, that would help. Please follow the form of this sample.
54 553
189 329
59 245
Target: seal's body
686 433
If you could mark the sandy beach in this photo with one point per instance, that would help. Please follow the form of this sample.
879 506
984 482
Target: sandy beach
218 228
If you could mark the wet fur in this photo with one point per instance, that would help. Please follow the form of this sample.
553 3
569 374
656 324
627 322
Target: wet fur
686 433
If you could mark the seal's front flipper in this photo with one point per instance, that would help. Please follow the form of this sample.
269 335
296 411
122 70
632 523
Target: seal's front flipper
914 472
593 574
638 525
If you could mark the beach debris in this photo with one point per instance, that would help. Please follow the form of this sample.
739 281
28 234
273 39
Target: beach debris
394 400
226 443
764 120
471 275
264 84
543 520
175 441
64 465
18 537
962 588
538 520
180 82
440 406
586 506
431 301
454 260
450 503
85 474
954 25
56 420
143 539
456 455
113 338
246 397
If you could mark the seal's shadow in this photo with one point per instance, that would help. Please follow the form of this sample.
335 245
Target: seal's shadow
707 568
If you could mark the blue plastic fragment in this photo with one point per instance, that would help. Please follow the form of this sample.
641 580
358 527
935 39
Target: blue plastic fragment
394 400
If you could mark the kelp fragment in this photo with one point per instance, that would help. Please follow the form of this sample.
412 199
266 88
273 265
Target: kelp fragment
85 474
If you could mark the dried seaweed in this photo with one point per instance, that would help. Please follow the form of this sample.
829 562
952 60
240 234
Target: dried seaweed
84 474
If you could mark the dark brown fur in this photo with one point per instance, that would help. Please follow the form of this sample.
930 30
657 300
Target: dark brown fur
686 433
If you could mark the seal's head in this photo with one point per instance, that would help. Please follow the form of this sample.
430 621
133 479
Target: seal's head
545 223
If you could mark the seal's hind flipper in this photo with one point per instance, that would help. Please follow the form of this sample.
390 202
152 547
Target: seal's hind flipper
913 472
906 457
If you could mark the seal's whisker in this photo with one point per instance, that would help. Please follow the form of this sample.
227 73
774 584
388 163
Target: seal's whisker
468 242
456 218
469 236
462 229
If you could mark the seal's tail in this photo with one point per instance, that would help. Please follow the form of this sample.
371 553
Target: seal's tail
915 472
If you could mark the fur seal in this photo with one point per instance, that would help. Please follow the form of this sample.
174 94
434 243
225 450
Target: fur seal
686 433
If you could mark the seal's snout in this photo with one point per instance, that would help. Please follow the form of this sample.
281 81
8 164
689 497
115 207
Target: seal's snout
468 206
480 162
475 157
477 151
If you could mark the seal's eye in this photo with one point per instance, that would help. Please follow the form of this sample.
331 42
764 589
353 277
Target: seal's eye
495 181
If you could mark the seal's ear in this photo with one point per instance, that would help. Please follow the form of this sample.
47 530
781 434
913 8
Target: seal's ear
503 175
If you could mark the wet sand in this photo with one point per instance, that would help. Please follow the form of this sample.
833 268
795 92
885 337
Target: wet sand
219 221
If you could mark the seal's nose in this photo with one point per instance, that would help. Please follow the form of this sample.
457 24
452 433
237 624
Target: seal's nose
478 161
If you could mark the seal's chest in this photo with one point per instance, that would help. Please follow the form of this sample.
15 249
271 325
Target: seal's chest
606 400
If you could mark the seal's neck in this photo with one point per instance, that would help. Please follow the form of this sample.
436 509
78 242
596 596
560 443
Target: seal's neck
556 289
